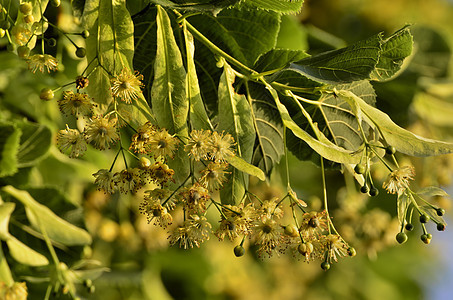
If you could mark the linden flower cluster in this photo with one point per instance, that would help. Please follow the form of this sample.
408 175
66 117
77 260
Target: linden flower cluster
261 222
398 183
408 201
100 130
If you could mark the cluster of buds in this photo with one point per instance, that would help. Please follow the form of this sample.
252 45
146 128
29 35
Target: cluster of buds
408 201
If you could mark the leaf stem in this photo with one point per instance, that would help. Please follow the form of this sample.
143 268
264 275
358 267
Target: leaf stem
214 48
324 189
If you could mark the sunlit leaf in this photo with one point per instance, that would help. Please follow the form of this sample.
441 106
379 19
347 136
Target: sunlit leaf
6 209
235 118
197 113
341 117
244 34
431 191
403 140
47 222
292 35
110 43
24 254
245 167
5 272
394 50
269 146
18 250
168 95
283 6
213 6
355 62
320 144
402 205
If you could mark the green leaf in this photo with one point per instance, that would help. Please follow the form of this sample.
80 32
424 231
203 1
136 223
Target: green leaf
213 6
282 6
403 140
321 144
35 141
394 50
244 34
46 222
298 83
197 113
111 44
145 37
269 146
431 191
335 118
24 254
6 209
403 202
341 117
352 63
18 250
245 167
5 272
235 118
38 8
276 59
20 178
99 87
9 146
78 7
169 101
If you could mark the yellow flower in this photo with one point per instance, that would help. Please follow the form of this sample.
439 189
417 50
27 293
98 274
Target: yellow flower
161 173
127 86
271 208
101 131
76 104
267 235
221 145
42 61
128 180
104 181
213 176
195 198
398 180
335 246
313 224
199 146
141 139
154 211
18 291
161 143
236 221
71 138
